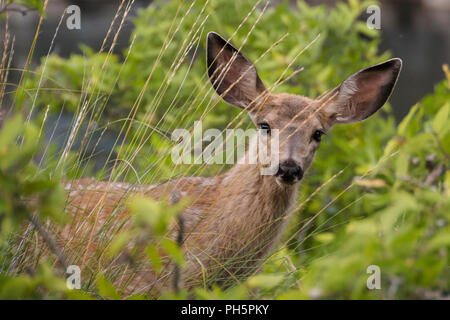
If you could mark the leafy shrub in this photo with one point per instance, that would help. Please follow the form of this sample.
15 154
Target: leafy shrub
377 193
27 193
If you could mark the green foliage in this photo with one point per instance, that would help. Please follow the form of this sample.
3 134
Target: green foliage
29 4
24 187
406 229
25 191
377 193
43 284
145 242
106 289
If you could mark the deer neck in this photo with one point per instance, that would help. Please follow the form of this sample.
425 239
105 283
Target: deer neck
251 215
258 194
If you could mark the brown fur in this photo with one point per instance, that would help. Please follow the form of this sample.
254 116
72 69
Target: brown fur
234 219
232 223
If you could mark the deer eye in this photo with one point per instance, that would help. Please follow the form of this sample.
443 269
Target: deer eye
264 126
317 135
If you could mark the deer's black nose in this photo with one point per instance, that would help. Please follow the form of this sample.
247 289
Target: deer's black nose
289 171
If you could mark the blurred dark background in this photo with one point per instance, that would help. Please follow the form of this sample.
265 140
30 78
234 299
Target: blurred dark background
418 31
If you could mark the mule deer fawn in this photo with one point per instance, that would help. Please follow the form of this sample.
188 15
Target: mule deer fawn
235 218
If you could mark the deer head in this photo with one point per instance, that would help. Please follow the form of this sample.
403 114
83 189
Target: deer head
300 121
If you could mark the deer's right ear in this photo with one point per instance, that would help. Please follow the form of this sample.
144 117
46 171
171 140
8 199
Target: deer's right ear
232 75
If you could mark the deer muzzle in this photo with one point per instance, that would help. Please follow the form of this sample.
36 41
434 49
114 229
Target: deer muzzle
290 172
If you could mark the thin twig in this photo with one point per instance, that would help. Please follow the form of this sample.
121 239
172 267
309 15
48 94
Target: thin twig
49 240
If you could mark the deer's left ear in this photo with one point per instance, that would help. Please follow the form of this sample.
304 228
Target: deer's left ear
362 94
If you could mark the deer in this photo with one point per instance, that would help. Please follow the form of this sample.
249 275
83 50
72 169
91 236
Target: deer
236 218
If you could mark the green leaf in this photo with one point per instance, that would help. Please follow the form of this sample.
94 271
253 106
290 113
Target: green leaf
78 295
441 122
119 242
106 288
325 237
154 257
265 281
174 251
441 240
406 121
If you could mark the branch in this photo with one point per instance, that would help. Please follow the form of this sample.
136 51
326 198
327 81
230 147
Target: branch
438 171
50 242
176 278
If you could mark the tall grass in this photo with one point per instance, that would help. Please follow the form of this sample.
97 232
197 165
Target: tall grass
121 162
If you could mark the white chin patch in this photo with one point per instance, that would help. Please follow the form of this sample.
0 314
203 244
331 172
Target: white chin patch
278 181
284 184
